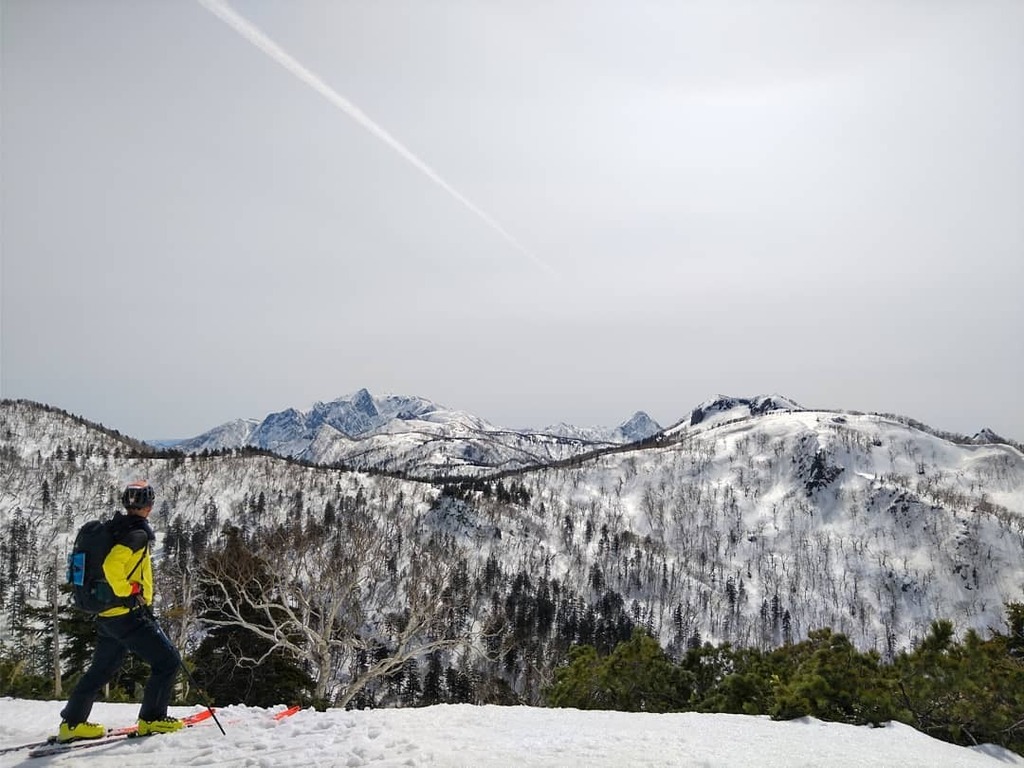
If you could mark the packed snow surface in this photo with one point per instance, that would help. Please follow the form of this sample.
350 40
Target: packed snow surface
492 737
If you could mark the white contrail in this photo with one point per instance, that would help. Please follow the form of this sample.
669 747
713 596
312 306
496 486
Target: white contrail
255 36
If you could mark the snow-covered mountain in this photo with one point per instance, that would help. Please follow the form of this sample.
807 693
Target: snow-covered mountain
986 435
753 523
229 435
723 408
413 435
637 427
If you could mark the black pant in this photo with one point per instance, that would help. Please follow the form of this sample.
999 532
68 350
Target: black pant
116 636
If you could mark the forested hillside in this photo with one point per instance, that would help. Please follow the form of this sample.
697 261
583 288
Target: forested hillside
753 529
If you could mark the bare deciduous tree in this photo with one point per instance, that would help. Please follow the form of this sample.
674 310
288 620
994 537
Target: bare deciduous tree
323 594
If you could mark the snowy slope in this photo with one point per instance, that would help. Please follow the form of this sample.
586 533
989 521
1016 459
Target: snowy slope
855 522
464 736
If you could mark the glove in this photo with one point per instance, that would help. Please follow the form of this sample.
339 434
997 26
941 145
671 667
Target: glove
136 598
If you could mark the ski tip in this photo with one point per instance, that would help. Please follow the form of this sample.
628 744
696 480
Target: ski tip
198 717
287 712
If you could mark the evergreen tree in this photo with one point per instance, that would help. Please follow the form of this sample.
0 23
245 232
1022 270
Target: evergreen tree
433 681
832 681
729 680
967 693
637 676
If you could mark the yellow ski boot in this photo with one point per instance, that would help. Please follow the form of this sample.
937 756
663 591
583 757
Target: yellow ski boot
162 725
79 731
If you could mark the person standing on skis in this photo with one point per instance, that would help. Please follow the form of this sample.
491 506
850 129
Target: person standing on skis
126 627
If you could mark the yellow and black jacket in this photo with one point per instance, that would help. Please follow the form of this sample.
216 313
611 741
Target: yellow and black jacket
129 561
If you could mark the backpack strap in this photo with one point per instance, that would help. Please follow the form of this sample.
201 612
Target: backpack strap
145 551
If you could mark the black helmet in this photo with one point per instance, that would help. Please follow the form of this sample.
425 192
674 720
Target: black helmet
138 495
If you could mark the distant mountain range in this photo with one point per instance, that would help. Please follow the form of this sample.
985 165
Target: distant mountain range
416 436
410 434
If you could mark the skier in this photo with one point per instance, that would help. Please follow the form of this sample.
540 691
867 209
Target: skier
127 626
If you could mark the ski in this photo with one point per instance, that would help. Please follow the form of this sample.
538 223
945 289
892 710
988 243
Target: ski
113 736
53 739
50 745
59 748
29 745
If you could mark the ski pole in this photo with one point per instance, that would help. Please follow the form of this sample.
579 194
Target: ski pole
188 674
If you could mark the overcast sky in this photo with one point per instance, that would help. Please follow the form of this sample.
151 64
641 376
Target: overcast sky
533 211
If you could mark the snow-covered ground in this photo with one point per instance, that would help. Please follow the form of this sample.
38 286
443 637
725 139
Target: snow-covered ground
493 737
